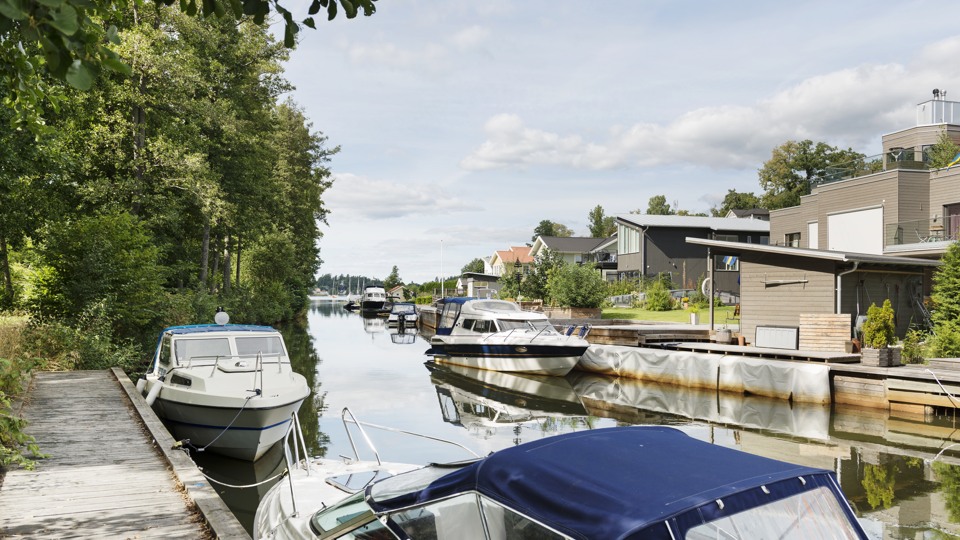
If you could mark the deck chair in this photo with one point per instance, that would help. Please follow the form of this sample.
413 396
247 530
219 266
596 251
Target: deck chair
569 331
736 314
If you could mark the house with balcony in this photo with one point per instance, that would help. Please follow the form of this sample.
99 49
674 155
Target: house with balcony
507 261
651 245
599 252
896 206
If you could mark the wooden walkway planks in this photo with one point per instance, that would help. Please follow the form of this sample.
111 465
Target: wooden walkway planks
104 477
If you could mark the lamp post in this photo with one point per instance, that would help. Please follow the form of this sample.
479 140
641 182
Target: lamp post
517 267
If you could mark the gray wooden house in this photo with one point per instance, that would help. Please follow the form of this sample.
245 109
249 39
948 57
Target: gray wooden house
779 284
649 245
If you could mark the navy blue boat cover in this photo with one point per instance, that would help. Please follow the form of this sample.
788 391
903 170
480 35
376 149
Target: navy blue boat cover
622 482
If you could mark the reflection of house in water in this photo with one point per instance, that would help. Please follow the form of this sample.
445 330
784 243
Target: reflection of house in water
900 475
483 401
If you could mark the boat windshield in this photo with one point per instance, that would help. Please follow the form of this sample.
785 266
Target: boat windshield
812 514
202 351
270 347
403 308
459 518
350 518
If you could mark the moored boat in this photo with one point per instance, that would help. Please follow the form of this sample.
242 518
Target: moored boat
499 336
373 298
637 482
402 314
226 388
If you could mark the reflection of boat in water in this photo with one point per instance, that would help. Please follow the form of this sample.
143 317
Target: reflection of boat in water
499 336
636 482
241 484
403 338
373 324
483 399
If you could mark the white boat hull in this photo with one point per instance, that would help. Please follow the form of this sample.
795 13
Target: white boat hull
556 365
241 426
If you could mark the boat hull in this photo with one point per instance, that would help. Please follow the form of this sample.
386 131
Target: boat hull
529 358
244 434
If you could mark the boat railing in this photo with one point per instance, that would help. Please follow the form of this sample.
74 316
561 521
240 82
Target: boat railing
348 417
295 454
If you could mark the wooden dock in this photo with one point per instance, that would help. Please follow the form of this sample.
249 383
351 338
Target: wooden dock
110 473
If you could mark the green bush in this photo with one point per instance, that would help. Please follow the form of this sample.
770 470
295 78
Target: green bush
572 285
658 297
914 346
879 330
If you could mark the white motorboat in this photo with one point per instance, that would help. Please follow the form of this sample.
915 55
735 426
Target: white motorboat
499 336
226 388
374 298
636 482
402 314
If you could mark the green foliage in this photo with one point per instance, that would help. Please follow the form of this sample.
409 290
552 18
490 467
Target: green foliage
914 346
534 285
657 297
475 266
945 342
878 482
943 151
879 330
949 477
697 298
393 279
549 228
945 309
793 166
104 264
601 225
735 201
627 286
658 206
572 285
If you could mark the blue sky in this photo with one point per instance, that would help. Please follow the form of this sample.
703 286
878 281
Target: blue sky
463 124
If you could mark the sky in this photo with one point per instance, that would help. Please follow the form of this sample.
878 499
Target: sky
463 124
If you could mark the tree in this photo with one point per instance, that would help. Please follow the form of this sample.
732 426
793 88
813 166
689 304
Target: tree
476 266
549 228
736 201
535 285
573 285
943 152
601 226
393 279
794 166
47 42
658 206
945 298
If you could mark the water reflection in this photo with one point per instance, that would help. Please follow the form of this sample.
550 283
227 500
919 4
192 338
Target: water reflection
902 474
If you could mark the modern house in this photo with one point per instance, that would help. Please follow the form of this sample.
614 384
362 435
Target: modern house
650 245
749 213
478 285
599 252
903 209
779 285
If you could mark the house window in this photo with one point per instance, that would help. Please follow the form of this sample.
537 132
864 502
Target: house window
628 240
726 263
791 239
764 240
726 237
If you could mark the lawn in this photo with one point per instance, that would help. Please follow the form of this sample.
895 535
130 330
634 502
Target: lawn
674 315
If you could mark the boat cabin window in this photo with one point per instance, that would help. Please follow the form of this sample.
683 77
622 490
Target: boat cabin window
165 351
459 518
201 350
812 514
449 315
507 324
482 326
352 518
271 347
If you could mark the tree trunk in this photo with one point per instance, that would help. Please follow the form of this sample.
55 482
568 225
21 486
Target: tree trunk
236 280
7 299
226 264
216 267
205 254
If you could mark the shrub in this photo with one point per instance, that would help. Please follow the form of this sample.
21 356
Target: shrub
879 330
914 346
572 285
658 297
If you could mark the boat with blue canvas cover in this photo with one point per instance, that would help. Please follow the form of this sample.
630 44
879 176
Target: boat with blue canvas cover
498 335
637 482
226 388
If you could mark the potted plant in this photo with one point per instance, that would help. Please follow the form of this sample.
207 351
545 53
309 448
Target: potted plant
878 336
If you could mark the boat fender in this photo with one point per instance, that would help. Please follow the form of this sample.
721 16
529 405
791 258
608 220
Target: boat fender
141 385
154 392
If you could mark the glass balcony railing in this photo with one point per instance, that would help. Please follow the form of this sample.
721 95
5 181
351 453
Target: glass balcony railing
922 231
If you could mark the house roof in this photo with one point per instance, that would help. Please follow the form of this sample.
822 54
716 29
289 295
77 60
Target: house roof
747 212
480 276
570 244
521 253
838 256
696 222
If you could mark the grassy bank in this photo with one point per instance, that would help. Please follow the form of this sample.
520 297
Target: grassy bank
720 314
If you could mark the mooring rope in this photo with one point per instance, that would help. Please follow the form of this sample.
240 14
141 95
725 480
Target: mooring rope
271 479
949 395
181 444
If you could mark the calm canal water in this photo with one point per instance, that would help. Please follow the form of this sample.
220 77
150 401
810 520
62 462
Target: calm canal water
902 475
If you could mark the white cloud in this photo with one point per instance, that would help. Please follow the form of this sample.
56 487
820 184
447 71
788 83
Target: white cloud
471 37
847 108
355 197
